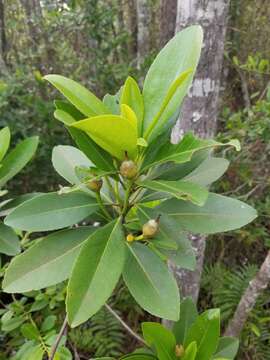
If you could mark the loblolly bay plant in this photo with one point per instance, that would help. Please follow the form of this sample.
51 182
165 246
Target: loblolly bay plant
11 163
137 193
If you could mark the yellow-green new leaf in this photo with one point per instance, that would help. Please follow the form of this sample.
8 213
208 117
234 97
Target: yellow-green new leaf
83 99
4 141
113 133
96 272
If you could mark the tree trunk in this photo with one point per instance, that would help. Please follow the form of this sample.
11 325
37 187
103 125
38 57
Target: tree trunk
130 21
248 300
143 38
168 10
200 108
3 40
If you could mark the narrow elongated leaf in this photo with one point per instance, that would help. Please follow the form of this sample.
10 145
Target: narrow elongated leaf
131 96
219 213
10 204
190 352
227 348
52 211
95 153
180 54
205 332
210 170
9 242
4 141
161 339
180 189
96 272
188 316
17 159
84 100
65 159
113 133
151 283
182 152
46 263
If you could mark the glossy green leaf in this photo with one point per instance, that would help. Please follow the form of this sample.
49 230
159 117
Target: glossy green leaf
176 85
227 348
180 54
12 203
113 133
65 159
95 153
52 211
151 283
17 159
46 263
180 189
210 170
9 242
4 141
219 213
160 339
131 96
96 272
188 316
190 352
112 103
30 332
84 100
182 152
205 332
135 356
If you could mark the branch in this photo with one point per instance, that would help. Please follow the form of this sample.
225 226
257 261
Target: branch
248 300
129 330
58 339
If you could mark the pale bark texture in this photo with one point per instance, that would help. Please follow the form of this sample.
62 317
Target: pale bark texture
168 10
248 300
200 109
143 36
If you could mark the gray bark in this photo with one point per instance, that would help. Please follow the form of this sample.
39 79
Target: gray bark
200 108
248 300
143 37
168 9
3 40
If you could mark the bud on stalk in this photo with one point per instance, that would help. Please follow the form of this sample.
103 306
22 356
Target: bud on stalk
95 185
150 228
128 169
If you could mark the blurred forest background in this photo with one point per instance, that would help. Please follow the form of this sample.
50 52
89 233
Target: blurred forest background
98 43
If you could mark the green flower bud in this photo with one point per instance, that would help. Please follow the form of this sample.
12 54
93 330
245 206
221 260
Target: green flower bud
128 169
95 185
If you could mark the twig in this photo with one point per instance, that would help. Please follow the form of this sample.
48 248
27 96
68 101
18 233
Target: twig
58 339
129 330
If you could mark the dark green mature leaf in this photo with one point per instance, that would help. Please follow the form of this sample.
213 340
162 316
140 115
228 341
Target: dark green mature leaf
227 348
205 332
180 54
85 101
46 263
188 316
139 357
182 152
12 203
52 211
4 141
161 339
210 170
96 272
151 283
131 96
113 133
94 152
9 242
17 159
219 213
180 189
65 159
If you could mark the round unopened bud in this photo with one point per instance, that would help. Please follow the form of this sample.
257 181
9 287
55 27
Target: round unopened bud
179 350
95 185
130 238
128 169
150 228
